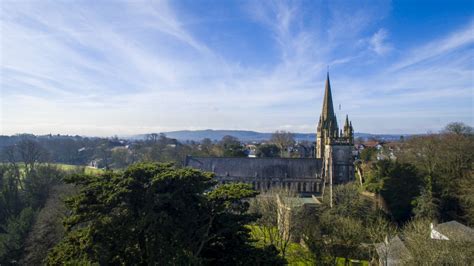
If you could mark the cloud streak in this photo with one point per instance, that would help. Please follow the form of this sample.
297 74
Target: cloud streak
136 67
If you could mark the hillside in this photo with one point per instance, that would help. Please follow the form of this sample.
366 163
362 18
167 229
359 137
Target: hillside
248 136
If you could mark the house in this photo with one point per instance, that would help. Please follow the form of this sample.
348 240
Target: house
452 230
360 146
384 150
392 252
251 150
373 144
95 163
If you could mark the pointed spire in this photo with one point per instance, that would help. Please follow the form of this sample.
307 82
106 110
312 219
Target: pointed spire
347 121
328 110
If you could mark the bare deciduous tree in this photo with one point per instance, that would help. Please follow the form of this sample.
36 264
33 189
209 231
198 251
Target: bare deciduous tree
30 153
284 140
426 251
458 128
278 222
379 232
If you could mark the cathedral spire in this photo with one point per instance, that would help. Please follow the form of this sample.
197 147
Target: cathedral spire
328 110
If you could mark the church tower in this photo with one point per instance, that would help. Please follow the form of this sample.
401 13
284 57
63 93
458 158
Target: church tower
334 146
327 126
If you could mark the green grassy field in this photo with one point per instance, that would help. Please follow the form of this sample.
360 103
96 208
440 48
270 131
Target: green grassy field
69 167
296 254
87 169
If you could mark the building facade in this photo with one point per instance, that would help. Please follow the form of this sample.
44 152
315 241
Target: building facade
333 145
333 162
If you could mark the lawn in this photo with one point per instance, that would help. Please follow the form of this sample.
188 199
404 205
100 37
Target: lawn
87 169
296 254
70 167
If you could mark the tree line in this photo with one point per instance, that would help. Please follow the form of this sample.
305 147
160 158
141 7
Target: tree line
119 153
25 190
432 177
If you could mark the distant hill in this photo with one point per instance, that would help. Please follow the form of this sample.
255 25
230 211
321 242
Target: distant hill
249 136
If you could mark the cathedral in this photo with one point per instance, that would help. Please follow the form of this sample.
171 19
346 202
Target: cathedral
333 162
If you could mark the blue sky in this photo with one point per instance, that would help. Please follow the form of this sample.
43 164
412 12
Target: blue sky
128 67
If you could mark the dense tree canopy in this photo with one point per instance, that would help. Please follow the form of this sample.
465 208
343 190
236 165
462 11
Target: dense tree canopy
231 147
342 230
23 191
399 184
368 154
268 150
445 161
158 214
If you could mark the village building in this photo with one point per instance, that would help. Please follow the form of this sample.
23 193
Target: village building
394 252
452 230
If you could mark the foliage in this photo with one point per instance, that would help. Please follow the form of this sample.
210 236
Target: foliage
425 206
47 230
231 147
466 197
398 183
432 177
155 147
285 224
39 182
368 154
426 251
24 188
341 231
446 163
378 230
401 186
458 128
207 147
348 202
11 195
342 236
268 150
14 230
278 221
296 254
61 149
158 214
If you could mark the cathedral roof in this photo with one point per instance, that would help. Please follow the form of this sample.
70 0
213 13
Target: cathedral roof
285 168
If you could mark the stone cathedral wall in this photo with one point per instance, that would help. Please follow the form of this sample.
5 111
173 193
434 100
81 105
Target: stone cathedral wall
303 175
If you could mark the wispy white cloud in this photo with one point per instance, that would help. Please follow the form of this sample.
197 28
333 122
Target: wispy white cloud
136 67
378 42
439 47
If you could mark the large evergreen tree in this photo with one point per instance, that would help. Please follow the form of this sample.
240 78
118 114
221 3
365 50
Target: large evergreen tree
158 214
